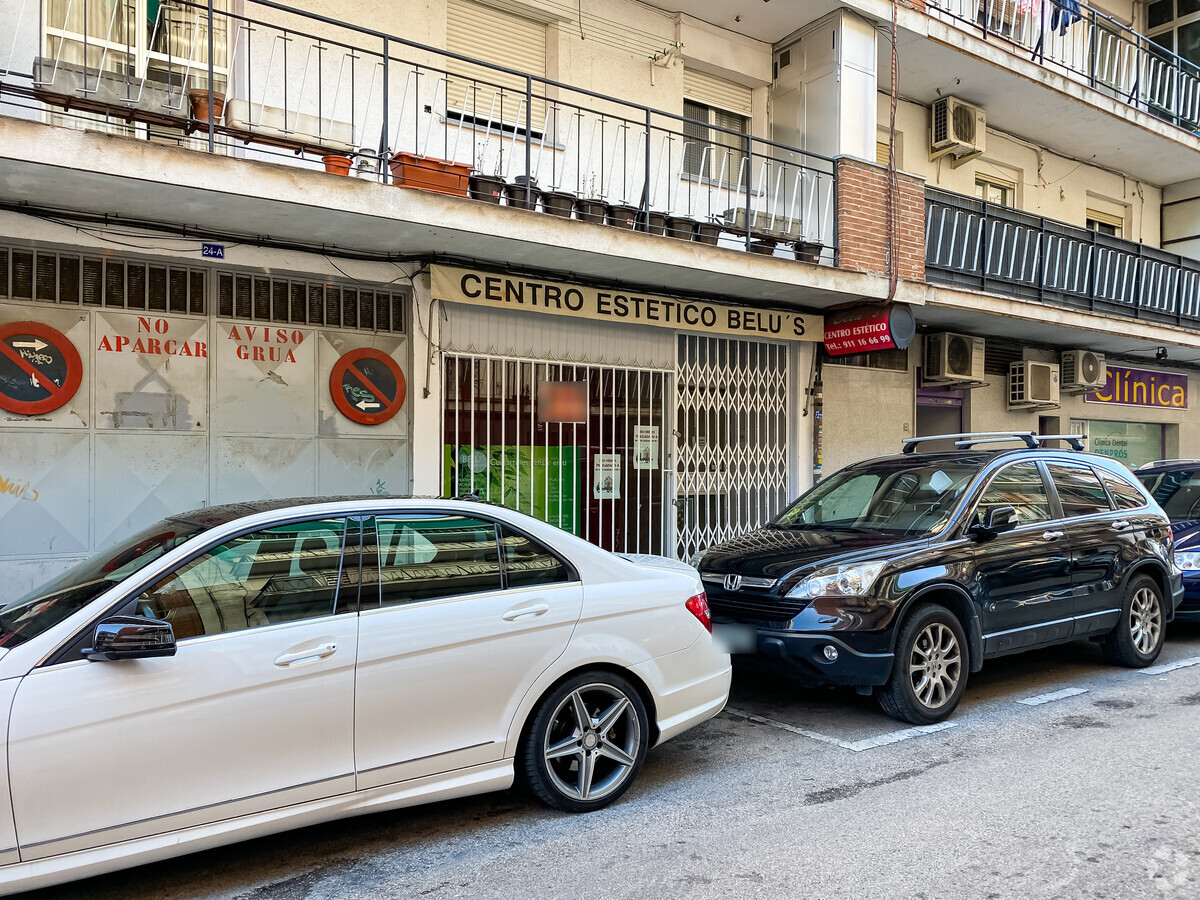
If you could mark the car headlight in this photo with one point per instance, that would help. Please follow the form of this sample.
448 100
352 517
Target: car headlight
839 581
1187 560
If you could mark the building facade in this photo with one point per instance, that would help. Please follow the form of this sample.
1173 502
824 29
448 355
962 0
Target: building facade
583 260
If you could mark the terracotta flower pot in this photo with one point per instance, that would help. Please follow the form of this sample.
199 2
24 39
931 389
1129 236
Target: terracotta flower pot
429 174
336 164
198 98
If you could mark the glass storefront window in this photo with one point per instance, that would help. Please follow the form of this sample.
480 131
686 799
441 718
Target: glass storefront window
1133 443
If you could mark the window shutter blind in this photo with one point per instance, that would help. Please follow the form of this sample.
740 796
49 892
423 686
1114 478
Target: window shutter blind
502 39
713 91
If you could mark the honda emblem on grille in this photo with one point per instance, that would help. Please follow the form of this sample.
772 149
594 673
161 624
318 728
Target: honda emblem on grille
733 582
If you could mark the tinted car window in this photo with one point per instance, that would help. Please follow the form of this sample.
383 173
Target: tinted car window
1178 492
1019 486
527 562
280 574
916 499
1079 490
1124 494
429 556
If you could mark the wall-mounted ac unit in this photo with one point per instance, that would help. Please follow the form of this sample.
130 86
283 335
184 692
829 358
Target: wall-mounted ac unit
959 130
953 358
1083 370
1032 384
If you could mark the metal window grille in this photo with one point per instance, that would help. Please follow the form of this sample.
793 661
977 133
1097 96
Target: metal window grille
731 439
48 276
497 447
262 298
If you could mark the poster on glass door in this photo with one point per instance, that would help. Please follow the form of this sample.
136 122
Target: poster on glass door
606 478
645 446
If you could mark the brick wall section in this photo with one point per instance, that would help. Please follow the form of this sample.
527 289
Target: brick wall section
862 219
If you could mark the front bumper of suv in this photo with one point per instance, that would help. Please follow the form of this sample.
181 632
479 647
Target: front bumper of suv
805 658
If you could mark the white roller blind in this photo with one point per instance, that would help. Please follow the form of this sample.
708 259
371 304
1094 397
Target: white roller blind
719 92
487 34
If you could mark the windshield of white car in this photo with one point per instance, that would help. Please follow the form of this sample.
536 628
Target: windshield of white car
46 606
908 501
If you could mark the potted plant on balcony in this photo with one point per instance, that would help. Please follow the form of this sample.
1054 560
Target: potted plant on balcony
198 99
515 193
336 163
808 251
428 173
590 209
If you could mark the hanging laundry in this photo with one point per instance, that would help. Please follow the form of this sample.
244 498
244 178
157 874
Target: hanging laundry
1065 14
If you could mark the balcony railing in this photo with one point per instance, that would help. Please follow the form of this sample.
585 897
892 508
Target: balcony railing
973 244
1094 49
310 90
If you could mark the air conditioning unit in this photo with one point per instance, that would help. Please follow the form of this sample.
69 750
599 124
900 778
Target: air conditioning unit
959 130
953 358
1083 370
1032 384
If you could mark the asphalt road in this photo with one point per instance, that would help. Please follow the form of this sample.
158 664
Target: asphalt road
1092 789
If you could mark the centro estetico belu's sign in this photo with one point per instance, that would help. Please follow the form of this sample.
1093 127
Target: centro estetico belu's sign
516 293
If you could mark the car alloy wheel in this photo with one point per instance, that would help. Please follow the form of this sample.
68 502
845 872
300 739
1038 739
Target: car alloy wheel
587 741
930 672
1138 638
1145 620
935 665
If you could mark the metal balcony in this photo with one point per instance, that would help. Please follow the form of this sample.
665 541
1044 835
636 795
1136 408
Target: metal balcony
1094 49
980 246
307 90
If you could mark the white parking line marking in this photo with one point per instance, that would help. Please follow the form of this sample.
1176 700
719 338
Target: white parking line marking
892 737
1171 666
1054 695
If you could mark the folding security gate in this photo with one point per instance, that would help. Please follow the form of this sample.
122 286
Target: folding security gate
598 467
732 455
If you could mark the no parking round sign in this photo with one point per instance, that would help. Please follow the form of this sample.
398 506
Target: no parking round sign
40 369
367 386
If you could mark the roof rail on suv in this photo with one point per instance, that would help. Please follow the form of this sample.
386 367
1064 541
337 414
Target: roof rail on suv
1167 462
965 441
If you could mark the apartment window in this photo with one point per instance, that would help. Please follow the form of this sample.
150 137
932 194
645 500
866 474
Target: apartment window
1102 223
1175 26
144 37
483 96
994 190
713 153
718 114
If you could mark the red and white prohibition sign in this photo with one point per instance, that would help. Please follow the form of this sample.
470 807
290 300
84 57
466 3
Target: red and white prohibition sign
367 386
40 369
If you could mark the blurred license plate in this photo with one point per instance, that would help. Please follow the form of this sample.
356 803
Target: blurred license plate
736 638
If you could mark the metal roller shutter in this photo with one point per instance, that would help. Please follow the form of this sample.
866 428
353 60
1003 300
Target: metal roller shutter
501 39
718 92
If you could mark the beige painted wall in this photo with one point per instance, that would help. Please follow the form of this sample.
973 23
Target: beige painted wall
865 413
1047 184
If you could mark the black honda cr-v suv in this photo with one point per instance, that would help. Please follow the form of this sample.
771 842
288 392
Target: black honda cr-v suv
900 575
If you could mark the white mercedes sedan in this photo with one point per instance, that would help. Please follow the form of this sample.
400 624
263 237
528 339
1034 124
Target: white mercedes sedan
241 670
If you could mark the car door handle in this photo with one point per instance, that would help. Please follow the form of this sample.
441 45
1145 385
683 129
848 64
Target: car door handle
1120 525
311 654
526 612
1051 535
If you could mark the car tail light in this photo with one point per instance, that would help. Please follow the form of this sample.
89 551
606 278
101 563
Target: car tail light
698 607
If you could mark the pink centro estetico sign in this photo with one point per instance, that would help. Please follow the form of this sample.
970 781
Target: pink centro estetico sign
1141 387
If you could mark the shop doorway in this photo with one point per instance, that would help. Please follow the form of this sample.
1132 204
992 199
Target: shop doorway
731 439
579 446
939 411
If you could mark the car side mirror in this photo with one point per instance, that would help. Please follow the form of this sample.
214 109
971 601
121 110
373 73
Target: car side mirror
131 637
997 520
